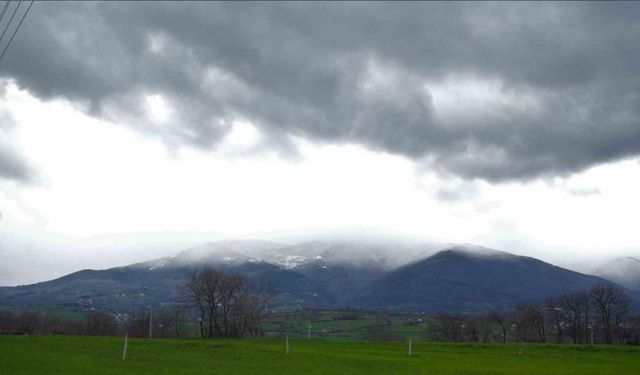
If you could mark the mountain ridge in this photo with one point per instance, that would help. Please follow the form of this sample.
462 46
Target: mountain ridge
458 279
321 274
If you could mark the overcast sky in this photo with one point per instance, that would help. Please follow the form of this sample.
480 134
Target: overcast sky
133 130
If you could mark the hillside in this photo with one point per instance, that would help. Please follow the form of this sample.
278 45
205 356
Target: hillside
319 274
467 278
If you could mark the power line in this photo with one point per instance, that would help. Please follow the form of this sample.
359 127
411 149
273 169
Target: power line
16 30
6 5
10 20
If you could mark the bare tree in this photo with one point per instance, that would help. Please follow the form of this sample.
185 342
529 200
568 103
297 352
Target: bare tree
138 324
179 313
472 328
170 321
225 304
194 294
254 304
37 323
632 328
202 288
449 327
101 324
380 330
610 304
502 320
576 309
486 328
555 315
530 323
7 322
28 322
232 303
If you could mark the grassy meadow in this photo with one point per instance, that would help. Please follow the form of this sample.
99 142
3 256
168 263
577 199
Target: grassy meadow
343 325
103 355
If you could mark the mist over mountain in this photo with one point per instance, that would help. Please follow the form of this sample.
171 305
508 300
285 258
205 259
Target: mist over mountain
471 278
330 141
323 274
624 271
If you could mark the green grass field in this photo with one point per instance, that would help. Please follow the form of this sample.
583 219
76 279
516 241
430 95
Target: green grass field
329 324
102 355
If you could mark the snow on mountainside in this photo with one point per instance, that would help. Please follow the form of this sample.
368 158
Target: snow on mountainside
323 274
229 252
325 253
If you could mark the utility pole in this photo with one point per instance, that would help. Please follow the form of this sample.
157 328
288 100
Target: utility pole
150 322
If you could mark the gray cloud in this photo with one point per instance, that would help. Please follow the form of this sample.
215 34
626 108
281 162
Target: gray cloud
13 167
457 192
367 73
12 164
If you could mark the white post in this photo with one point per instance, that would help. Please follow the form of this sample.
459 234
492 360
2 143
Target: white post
286 344
309 332
409 352
124 351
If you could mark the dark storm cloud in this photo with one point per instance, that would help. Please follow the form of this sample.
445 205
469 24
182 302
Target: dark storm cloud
367 73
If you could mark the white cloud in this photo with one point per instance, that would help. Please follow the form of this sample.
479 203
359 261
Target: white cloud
158 109
100 179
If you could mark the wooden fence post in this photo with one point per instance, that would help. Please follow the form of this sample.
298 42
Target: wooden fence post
286 344
124 351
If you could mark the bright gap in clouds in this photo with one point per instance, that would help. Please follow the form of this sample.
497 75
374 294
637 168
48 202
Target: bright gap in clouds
157 108
463 100
100 179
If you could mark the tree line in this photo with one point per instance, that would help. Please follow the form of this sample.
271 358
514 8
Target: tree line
220 304
168 322
601 314
223 305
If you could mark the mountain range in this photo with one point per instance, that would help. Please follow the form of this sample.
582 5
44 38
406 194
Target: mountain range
322 274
